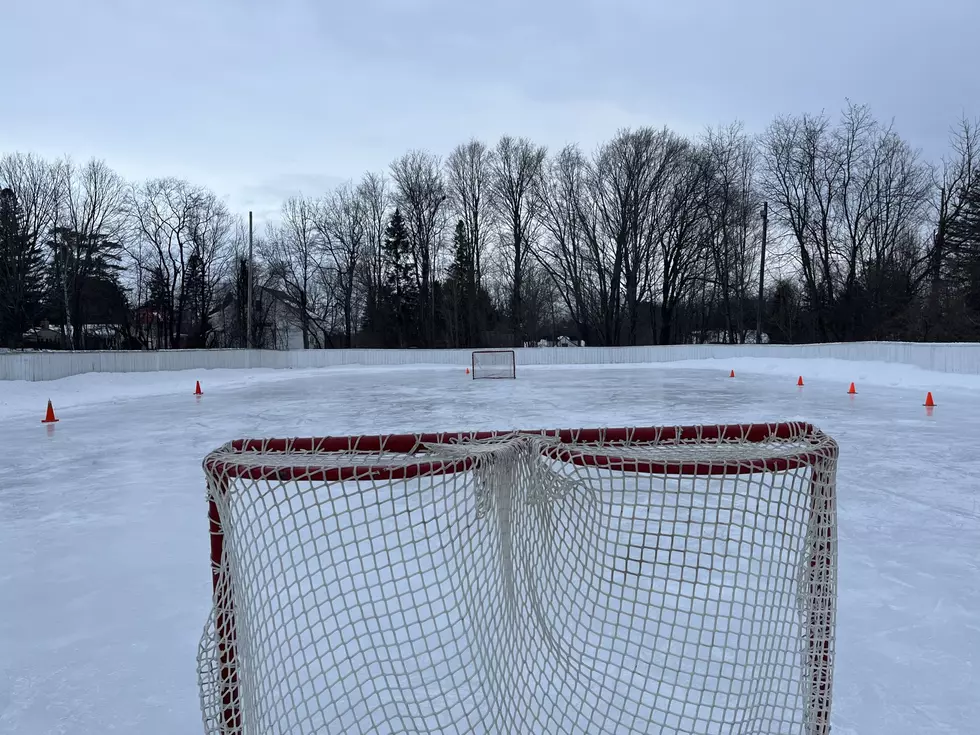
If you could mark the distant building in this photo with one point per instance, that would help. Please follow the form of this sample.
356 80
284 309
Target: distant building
47 336
721 337
561 341
276 321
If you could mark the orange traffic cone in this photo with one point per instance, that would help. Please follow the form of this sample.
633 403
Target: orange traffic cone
467 371
49 417
732 374
851 390
800 381
929 402
197 389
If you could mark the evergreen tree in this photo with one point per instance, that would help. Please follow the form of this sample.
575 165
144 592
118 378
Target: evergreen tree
196 301
241 303
461 270
460 296
157 307
81 267
399 324
21 273
964 259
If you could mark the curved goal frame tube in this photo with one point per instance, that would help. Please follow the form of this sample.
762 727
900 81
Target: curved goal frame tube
225 617
821 578
821 583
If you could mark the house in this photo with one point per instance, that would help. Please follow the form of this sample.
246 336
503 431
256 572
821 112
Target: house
275 319
47 336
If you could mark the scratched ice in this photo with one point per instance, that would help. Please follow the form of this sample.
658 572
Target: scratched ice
104 577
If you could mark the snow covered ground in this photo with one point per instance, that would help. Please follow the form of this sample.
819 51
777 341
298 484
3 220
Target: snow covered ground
104 576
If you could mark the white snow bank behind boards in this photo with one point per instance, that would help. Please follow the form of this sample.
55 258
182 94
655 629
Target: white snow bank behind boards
962 358
80 392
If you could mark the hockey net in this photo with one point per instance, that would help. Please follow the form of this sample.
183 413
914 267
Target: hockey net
494 364
583 581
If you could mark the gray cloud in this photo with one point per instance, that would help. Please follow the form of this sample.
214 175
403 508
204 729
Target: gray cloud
237 94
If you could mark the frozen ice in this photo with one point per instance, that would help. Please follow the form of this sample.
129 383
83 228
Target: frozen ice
104 569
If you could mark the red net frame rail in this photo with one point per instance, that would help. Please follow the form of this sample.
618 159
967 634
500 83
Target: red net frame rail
493 364
297 461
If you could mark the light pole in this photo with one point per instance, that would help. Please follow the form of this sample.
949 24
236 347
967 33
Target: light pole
762 273
248 308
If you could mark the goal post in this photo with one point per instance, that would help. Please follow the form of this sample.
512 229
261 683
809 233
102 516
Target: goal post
494 364
635 580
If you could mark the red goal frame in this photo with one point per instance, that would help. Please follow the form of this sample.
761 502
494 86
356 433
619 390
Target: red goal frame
513 363
821 455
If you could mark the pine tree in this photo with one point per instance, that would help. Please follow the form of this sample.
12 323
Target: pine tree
196 301
21 273
399 322
78 264
461 270
241 303
461 289
964 259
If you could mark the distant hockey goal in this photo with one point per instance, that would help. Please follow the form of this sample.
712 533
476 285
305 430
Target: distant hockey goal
494 364
644 580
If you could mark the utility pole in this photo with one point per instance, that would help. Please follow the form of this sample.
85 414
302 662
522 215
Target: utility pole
248 309
762 273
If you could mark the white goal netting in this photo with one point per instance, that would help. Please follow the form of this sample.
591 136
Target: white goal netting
494 364
659 580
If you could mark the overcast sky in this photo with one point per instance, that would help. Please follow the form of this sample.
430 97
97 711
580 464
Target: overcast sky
259 100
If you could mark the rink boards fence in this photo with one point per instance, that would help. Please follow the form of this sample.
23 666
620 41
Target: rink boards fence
961 358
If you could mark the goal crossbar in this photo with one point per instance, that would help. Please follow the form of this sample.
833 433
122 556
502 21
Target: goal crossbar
735 450
233 460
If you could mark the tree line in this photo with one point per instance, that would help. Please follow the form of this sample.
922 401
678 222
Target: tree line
652 238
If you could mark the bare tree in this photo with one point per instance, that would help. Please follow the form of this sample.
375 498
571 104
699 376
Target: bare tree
39 186
86 238
681 237
210 231
376 203
849 196
628 182
954 175
94 198
293 251
420 195
650 237
469 169
886 246
616 229
562 251
344 223
516 170
732 203
159 213
164 214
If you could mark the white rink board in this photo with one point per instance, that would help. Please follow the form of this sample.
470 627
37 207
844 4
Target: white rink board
956 358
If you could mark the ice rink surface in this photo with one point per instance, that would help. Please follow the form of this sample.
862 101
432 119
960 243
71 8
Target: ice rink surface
104 573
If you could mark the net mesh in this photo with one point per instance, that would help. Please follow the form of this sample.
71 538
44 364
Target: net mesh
601 581
494 364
